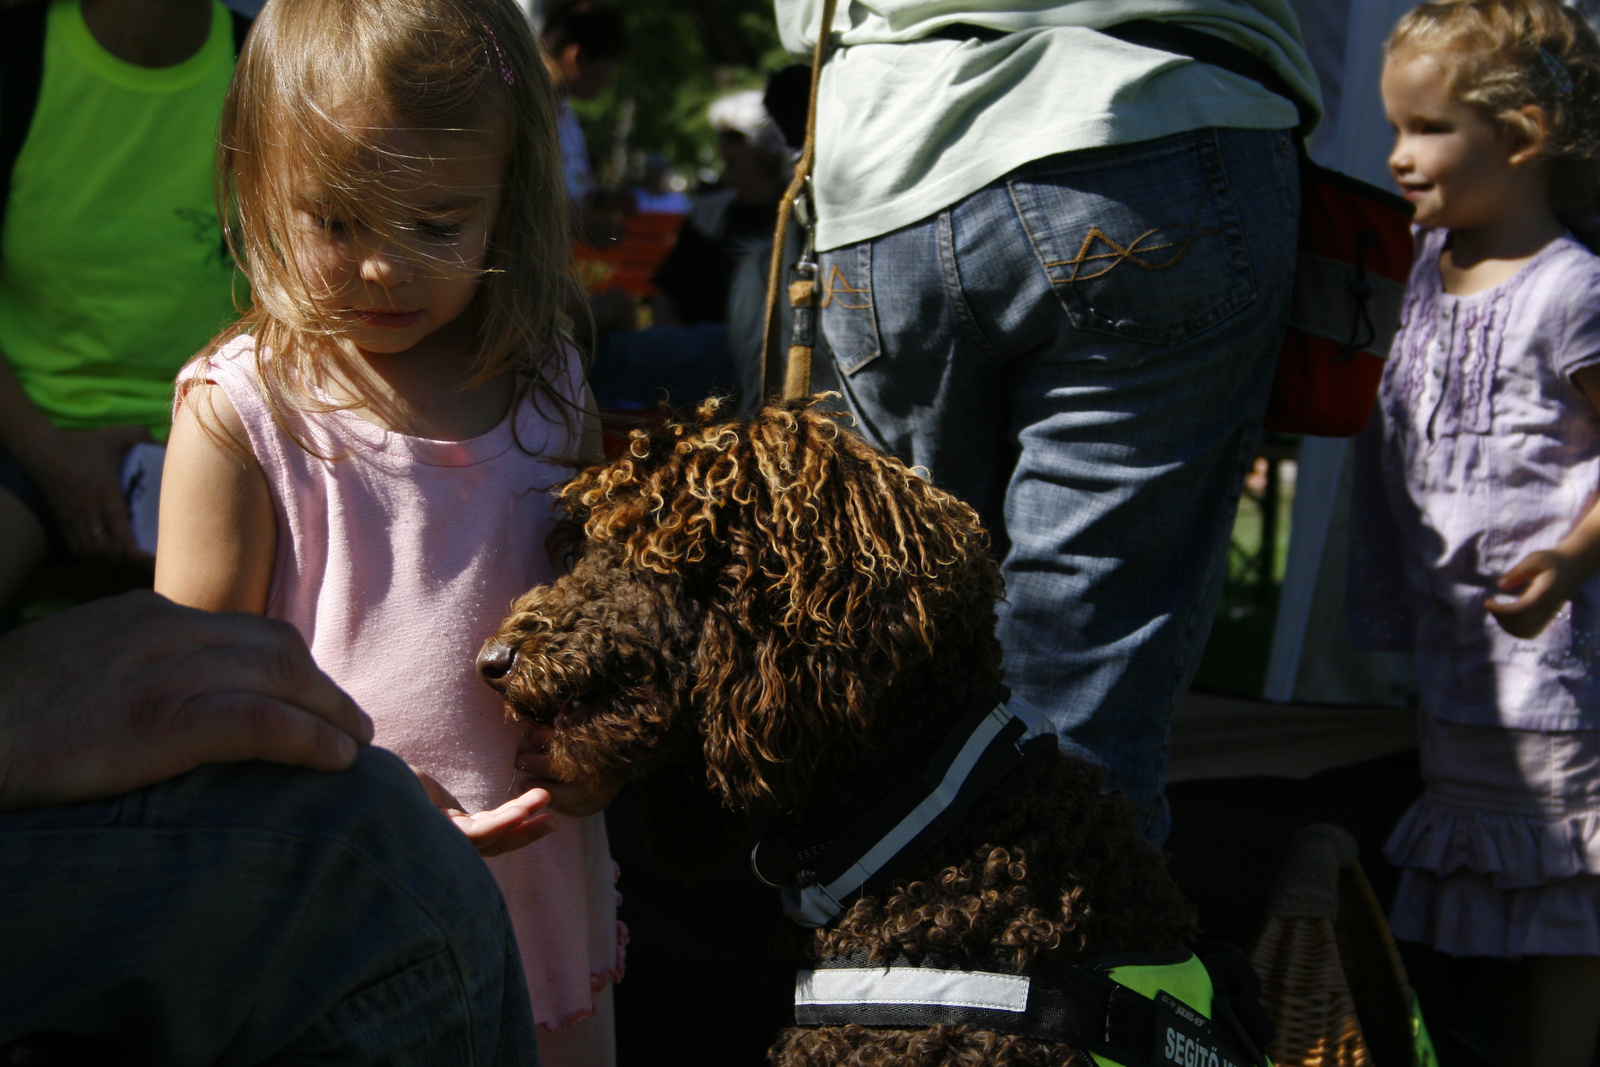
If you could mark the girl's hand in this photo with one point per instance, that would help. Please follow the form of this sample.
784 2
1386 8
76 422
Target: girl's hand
569 798
1549 578
78 473
507 828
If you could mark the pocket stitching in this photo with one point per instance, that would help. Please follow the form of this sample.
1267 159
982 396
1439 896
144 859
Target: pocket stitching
1214 189
872 344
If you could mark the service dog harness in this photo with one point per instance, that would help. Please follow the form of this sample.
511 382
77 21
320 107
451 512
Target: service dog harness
817 869
1127 1010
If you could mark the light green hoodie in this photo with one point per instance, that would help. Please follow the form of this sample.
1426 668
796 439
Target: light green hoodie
908 125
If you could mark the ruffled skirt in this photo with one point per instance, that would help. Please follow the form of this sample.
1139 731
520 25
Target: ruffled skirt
1501 856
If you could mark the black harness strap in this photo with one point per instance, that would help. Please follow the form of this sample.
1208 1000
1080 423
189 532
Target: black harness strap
821 867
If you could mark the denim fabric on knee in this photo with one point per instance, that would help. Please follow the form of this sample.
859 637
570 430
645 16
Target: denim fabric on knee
1083 351
250 912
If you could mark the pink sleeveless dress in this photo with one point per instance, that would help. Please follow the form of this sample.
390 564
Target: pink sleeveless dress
395 562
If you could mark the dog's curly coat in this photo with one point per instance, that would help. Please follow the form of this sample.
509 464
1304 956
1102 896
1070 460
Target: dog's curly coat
771 619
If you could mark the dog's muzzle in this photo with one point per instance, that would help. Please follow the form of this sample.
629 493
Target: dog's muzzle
495 663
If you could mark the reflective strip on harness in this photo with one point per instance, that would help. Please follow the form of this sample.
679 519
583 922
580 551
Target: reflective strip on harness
912 985
1124 1015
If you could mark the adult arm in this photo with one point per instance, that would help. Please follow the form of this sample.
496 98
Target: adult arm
1548 578
77 471
125 692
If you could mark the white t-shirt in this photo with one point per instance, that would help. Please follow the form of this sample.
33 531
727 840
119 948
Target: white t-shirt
908 124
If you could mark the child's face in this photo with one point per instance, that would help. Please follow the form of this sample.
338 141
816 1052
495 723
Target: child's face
1450 161
390 295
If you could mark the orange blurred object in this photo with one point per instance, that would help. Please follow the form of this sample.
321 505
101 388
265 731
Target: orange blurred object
647 238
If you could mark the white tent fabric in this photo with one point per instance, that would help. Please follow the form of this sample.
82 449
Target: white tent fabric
1312 660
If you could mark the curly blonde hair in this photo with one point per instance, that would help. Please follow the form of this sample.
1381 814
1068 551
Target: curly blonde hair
1501 56
307 72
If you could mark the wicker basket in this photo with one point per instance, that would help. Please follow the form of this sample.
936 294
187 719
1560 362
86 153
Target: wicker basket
1331 977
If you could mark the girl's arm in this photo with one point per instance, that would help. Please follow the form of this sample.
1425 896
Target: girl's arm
1548 578
218 534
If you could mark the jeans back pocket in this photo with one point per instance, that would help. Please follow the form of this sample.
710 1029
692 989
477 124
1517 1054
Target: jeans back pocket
1139 241
849 319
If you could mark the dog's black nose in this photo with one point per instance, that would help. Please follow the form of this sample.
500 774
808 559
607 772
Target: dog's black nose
495 662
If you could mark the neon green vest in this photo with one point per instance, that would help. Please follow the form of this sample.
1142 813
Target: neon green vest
1190 983
1187 981
112 270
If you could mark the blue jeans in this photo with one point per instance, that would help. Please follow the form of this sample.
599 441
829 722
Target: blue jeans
246 913
1083 351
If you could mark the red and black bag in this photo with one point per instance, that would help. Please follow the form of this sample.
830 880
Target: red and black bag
1349 285
1350 276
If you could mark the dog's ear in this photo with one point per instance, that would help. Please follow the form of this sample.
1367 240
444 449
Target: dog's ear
826 573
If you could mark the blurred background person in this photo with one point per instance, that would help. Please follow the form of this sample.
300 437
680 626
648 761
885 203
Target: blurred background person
685 356
113 270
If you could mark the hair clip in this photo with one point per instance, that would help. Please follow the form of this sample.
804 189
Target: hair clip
1558 73
506 74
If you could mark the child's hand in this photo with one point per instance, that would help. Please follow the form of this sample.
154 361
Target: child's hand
569 798
1549 578
507 828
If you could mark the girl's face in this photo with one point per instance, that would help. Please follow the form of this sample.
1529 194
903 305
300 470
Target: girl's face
390 295
1450 161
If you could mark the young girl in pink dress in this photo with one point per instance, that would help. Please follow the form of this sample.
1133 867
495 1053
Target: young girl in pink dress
1490 467
369 453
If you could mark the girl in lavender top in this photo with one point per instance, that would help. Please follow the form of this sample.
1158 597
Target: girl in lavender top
1485 504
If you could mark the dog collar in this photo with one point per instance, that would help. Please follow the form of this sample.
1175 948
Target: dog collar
816 870
1119 1011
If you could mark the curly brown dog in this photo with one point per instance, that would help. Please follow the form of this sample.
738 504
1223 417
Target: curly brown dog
770 623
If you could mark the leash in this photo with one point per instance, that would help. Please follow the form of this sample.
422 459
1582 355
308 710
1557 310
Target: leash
793 367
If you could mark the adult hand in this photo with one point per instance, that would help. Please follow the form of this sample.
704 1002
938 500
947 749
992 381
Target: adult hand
507 828
1547 580
78 473
121 693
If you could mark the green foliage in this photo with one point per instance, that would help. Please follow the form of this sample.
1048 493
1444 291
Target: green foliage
683 55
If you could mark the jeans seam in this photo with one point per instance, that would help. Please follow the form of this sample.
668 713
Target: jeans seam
966 322
1238 245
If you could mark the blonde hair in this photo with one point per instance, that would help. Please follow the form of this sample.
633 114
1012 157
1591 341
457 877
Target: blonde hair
458 66
1501 56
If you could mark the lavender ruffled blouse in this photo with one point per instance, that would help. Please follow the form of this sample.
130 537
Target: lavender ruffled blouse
1486 451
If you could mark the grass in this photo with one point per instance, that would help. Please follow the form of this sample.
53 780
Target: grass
1235 657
